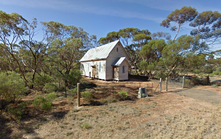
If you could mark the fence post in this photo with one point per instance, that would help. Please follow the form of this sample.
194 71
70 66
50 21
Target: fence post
166 84
160 84
183 83
78 94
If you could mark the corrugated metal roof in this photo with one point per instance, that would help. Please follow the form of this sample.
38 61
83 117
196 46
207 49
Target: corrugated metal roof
119 61
100 52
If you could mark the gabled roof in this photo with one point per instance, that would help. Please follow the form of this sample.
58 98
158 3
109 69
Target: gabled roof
101 52
119 61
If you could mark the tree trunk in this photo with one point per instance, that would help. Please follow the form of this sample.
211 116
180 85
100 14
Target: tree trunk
207 80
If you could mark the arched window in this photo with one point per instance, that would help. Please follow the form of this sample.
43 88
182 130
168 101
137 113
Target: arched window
123 69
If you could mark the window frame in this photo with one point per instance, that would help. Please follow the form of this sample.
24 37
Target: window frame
99 66
123 69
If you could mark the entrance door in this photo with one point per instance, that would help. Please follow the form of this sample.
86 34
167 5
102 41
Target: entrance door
93 72
116 73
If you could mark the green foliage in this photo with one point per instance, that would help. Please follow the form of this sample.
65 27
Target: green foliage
40 81
142 38
74 77
123 94
44 103
73 91
46 106
11 85
50 87
51 96
38 100
86 126
196 71
86 95
161 75
17 111
188 83
179 16
210 22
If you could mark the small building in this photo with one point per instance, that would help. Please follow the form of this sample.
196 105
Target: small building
106 62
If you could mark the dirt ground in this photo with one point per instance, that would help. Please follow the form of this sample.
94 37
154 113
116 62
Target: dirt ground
162 115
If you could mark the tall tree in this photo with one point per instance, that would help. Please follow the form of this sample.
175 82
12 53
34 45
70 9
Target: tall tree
150 54
69 46
12 27
179 17
173 55
208 26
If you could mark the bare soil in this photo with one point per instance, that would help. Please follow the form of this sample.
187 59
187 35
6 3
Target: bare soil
163 115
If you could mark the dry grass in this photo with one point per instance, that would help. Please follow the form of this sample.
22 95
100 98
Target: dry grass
165 115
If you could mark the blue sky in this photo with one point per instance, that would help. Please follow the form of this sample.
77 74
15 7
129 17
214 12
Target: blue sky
98 17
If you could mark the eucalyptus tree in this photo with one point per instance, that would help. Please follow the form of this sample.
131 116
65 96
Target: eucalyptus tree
133 39
174 54
65 51
179 17
207 26
151 54
12 27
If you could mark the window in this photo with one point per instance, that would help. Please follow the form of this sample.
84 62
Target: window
82 66
123 69
117 49
99 66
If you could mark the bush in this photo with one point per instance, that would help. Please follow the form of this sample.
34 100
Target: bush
188 83
51 96
73 91
44 103
16 112
86 95
123 94
201 74
50 87
46 106
11 86
74 77
86 126
40 81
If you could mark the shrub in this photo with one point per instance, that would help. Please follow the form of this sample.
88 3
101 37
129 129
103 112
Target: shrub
50 87
188 83
86 126
11 85
44 103
46 106
74 77
216 72
201 74
87 96
74 91
218 69
51 96
114 92
40 81
123 94
16 112
38 100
